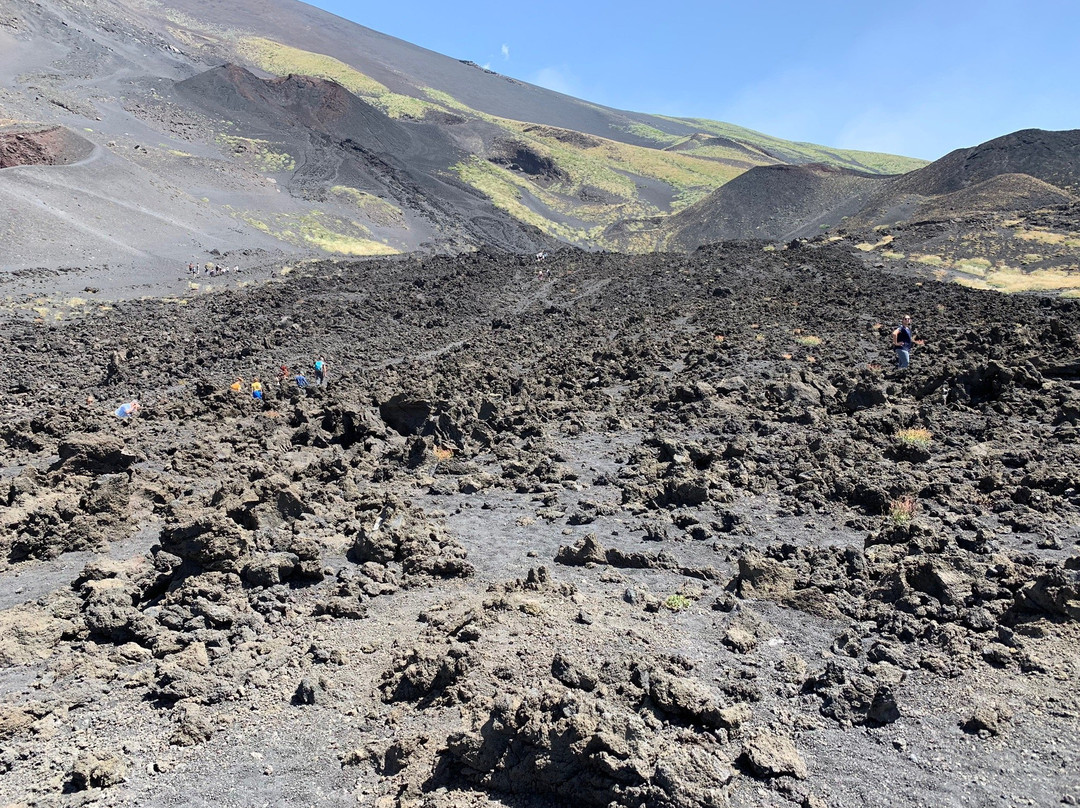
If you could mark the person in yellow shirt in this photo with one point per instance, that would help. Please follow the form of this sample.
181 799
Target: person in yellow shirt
256 388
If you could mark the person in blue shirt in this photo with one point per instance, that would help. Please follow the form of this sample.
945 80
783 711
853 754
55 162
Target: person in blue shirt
320 371
903 341
128 409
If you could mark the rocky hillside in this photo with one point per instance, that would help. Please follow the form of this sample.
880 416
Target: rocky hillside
996 216
663 530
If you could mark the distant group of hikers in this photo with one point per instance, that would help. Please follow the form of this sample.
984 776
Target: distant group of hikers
285 377
904 342
209 268
129 409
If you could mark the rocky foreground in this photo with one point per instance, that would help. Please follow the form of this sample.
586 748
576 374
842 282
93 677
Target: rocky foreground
662 530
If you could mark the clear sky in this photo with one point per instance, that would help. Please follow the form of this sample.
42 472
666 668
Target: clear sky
917 78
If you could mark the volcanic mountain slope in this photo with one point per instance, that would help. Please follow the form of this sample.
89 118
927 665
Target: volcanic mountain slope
649 530
1000 215
119 74
772 203
1052 157
340 146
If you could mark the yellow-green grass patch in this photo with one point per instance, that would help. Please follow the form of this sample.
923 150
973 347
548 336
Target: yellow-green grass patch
604 164
1039 280
930 260
260 154
1048 237
810 152
281 60
915 437
972 266
377 209
647 132
317 229
867 247
500 186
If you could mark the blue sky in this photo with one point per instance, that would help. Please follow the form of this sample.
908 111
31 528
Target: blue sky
915 78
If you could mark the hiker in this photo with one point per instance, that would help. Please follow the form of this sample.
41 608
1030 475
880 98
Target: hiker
128 409
256 388
903 342
301 381
320 371
237 386
283 374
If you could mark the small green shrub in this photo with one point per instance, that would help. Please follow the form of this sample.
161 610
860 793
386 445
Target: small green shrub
677 603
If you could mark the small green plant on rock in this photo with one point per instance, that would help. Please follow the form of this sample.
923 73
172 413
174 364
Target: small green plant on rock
809 341
902 510
677 603
918 438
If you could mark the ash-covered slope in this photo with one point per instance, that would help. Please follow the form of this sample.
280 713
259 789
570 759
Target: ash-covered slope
774 203
1053 157
1050 157
771 203
1013 193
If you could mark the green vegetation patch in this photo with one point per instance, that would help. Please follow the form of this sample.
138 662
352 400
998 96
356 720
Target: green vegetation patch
647 132
610 166
972 266
903 509
261 154
318 229
929 260
501 186
915 437
794 152
376 209
1007 279
677 603
282 60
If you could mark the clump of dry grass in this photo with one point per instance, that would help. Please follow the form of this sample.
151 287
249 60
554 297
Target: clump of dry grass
903 509
915 437
809 341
